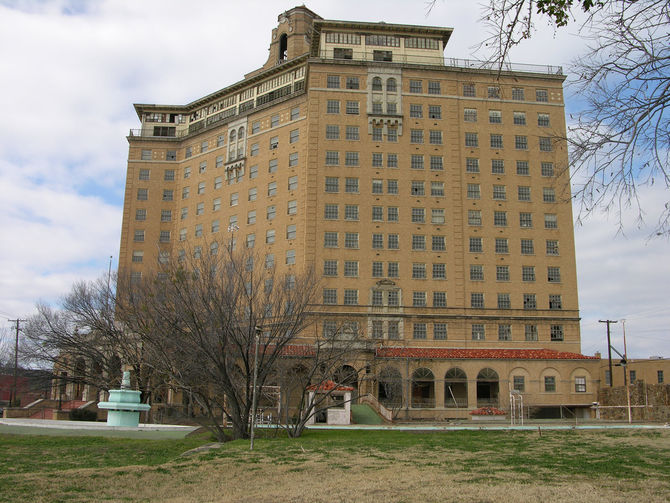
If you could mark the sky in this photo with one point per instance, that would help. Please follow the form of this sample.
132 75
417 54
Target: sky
70 71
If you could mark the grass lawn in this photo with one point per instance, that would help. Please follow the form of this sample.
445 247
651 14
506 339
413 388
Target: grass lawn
333 466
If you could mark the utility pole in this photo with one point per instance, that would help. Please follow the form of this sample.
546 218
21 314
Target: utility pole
609 348
12 398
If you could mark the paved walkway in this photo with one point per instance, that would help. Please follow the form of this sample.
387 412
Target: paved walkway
78 428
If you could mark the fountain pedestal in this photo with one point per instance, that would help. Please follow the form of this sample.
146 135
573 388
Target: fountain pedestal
124 405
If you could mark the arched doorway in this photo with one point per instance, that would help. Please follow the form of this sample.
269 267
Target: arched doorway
487 388
389 388
423 388
455 388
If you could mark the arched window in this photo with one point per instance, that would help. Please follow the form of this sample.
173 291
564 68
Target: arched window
423 388
240 133
487 388
376 84
455 388
233 135
283 47
391 86
389 388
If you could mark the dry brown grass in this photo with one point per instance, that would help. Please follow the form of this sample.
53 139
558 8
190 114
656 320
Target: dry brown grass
343 473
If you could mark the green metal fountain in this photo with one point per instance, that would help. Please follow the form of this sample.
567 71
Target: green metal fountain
124 405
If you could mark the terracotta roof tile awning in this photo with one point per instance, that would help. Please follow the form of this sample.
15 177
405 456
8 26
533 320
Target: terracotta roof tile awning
480 354
328 386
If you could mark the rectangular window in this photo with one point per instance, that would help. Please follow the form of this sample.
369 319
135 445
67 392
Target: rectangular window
377 213
416 111
548 195
523 193
418 215
502 273
333 82
352 83
251 217
527 247
377 269
471 165
504 332
418 242
500 218
350 297
392 214
351 212
440 331
291 231
271 212
547 169
555 302
416 136
332 184
138 256
469 90
332 133
200 208
549 384
377 134
541 95
351 268
521 142
518 94
166 215
382 55
392 134
146 155
141 214
493 92
435 137
351 240
330 239
393 330
391 160
416 161
476 245
344 53
543 120
476 272
393 242
471 140
418 271
437 216
433 87
415 86
552 247
474 217
477 300
439 271
138 236
530 332
142 194
294 136
253 172
293 182
498 166
659 377
478 333
292 207
391 186
351 185
499 192
439 243
331 212
519 118
352 133
419 299
434 111
270 236
580 384
519 383
545 144
496 141
272 189
495 117
556 332
201 188
333 107
554 274
377 160
350 159
436 163
504 301
393 272
522 168
144 174
473 191
330 296
550 221
529 301
470 115
528 273
171 155
525 220
377 298
352 107
419 331
164 237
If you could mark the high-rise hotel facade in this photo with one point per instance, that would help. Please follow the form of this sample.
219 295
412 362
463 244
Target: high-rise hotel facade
431 196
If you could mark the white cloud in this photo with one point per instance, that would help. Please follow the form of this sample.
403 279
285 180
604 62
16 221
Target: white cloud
72 69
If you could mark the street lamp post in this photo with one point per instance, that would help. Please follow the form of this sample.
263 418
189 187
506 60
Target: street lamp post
257 334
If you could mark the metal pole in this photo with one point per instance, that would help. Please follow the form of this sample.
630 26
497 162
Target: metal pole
12 397
609 349
253 391
625 357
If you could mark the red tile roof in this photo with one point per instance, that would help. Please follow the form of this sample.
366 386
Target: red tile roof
328 386
298 350
480 354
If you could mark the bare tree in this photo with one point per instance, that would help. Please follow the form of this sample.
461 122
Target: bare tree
620 140
208 322
81 341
